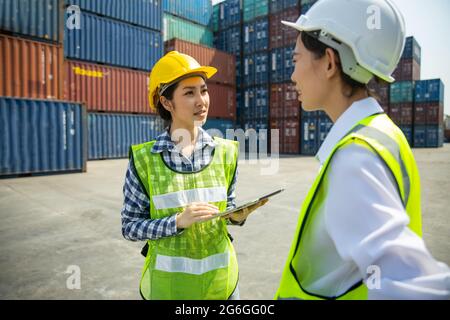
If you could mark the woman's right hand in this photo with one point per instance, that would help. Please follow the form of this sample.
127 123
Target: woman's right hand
195 212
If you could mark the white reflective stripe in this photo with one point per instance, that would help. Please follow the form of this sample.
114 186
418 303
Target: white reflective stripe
191 266
185 197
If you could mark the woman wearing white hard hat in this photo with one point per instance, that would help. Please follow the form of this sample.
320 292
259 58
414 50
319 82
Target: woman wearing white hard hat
175 185
359 230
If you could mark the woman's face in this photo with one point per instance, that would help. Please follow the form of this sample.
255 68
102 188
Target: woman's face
308 78
190 103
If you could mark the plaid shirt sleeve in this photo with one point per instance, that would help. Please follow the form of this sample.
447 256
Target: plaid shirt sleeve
136 224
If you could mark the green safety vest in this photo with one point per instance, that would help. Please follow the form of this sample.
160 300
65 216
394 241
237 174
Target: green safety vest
199 263
380 135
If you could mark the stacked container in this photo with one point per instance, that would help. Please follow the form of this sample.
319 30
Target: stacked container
108 60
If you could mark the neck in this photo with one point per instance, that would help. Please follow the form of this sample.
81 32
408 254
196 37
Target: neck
182 134
338 103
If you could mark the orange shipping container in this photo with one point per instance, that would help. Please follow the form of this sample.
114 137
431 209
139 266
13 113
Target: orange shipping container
107 89
222 101
30 69
224 62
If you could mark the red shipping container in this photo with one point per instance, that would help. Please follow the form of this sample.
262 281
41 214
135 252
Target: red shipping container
30 69
291 103
224 62
277 124
402 113
107 89
276 99
291 136
281 35
407 70
429 113
222 101
381 90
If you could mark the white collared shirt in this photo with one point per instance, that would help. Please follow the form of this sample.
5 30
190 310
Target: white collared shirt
361 230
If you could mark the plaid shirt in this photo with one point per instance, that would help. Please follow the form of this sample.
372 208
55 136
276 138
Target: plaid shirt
136 224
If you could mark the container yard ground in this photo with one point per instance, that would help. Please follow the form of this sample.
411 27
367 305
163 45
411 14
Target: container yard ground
53 222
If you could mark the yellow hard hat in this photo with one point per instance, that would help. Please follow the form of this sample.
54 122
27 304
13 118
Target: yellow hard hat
171 68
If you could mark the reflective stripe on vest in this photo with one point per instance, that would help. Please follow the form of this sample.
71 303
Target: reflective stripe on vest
184 197
191 266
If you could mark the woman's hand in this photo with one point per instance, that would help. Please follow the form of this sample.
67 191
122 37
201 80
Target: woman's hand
195 212
242 214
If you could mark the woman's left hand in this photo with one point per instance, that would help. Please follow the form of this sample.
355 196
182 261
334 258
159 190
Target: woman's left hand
242 214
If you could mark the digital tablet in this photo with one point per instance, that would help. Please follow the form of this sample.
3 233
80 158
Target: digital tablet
246 205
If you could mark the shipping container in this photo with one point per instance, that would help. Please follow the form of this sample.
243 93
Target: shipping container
42 137
256 35
197 11
324 125
229 13
412 50
429 113
309 144
222 101
218 127
407 70
224 62
256 68
381 90
108 41
284 101
428 136
145 13
229 40
254 8
38 19
280 5
256 102
30 69
429 91
282 66
214 24
305 7
175 27
111 135
402 113
291 136
106 89
408 133
402 91
281 35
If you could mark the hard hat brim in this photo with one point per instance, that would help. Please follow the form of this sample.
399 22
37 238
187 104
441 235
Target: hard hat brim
292 25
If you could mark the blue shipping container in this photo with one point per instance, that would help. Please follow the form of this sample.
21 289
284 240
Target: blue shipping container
430 136
229 13
32 18
281 64
309 140
324 125
412 50
408 132
218 127
280 5
111 135
41 136
103 40
256 68
256 102
198 11
229 40
429 91
145 13
256 35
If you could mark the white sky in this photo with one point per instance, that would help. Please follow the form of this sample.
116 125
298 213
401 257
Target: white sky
429 22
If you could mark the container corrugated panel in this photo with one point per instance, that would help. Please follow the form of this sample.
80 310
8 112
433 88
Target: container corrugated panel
175 27
429 113
429 90
428 136
281 35
214 24
408 133
30 69
279 5
324 124
284 101
229 13
224 62
229 40
38 19
382 91
412 50
108 41
309 144
402 113
256 68
402 91
222 101
41 136
281 64
291 136
407 70
256 35
111 135
145 13
256 102
214 126
107 89
254 8
198 11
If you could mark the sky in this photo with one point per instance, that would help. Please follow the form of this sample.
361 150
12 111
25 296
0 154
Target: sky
429 22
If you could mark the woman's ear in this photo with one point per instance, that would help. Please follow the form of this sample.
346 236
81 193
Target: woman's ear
332 63
166 103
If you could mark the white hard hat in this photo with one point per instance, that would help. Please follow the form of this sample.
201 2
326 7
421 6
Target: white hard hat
368 34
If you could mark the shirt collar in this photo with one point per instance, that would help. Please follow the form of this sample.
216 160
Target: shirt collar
358 111
164 141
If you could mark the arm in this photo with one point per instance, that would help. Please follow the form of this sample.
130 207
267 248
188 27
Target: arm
368 224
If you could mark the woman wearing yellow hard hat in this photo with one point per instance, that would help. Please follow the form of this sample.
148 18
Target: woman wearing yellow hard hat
175 185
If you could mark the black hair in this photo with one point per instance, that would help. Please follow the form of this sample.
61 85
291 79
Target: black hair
168 94
318 49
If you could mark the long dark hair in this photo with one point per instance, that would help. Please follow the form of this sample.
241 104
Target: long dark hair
318 49
168 94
